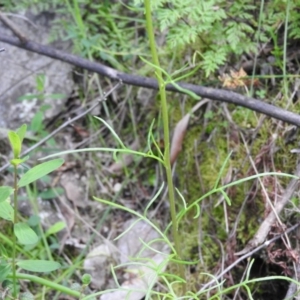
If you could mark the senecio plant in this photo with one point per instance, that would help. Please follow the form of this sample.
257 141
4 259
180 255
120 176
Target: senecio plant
23 235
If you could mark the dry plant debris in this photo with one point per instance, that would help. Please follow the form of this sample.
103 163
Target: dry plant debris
180 131
237 79
140 254
124 161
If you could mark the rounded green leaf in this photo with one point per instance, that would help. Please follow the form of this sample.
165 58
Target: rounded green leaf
39 171
40 266
5 192
6 211
25 234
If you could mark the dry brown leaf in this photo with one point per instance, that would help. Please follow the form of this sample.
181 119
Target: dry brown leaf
237 79
139 277
180 130
97 263
131 245
72 188
125 160
141 261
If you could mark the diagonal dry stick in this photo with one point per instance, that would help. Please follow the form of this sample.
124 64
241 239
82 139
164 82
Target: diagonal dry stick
214 281
5 20
64 125
265 226
205 92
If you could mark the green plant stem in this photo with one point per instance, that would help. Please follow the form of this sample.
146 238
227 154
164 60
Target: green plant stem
165 117
15 220
286 26
47 283
34 202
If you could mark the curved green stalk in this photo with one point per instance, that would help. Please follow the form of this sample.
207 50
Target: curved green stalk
164 108
47 283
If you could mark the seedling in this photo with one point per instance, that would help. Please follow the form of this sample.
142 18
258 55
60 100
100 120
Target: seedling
23 234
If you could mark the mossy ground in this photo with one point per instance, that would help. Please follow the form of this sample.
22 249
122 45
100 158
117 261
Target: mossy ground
205 149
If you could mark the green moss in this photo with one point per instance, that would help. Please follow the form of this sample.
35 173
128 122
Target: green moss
198 166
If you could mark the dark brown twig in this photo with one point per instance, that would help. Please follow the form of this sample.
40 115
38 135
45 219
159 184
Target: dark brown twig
265 226
206 92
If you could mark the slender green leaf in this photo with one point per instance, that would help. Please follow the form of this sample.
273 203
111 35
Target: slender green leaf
39 171
15 143
113 132
5 192
27 97
56 96
226 197
149 137
40 266
222 169
23 159
40 82
21 132
25 235
58 226
6 211
113 150
36 124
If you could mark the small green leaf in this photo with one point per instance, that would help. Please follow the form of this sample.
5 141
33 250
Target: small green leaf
25 235
38 265
15 143
3 252
5 192
21 132
34 220
40 82
36 124
51 193
58 226
6 211
5 269
86 278
39 171
56 96
18 161
23 159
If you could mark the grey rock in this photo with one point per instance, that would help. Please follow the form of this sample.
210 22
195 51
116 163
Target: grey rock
19 70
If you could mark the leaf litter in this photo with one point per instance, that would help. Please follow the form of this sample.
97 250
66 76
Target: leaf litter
180 131
141 255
